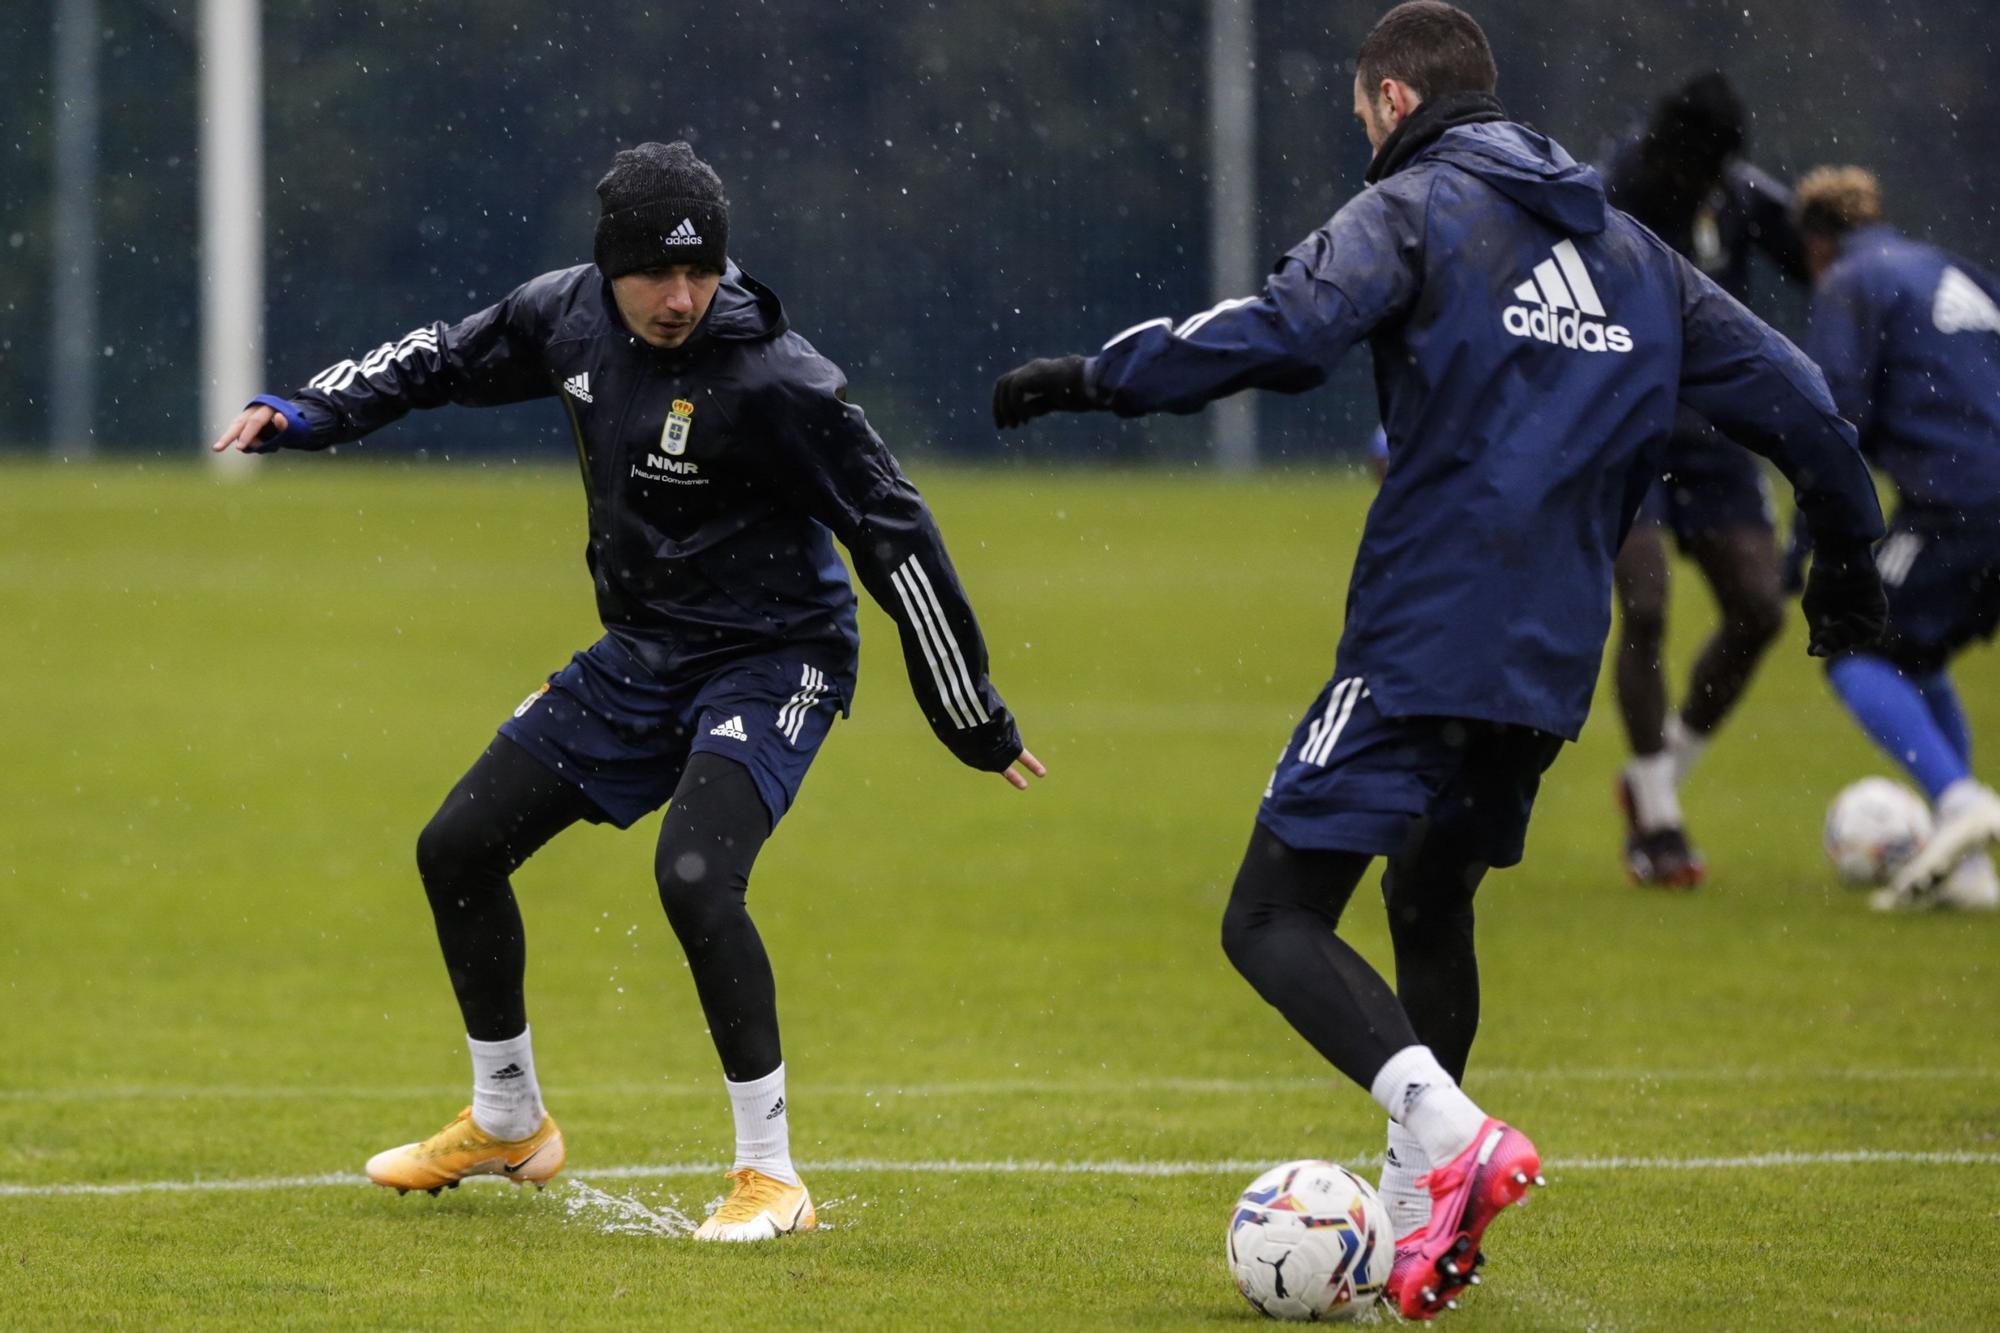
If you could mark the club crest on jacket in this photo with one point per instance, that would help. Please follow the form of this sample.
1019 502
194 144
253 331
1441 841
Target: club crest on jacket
674 435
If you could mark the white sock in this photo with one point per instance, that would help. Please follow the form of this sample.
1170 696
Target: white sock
1685 744
1418 1095
1960 794
1656 804
1973 883
1402 1162
763 1125
506 1100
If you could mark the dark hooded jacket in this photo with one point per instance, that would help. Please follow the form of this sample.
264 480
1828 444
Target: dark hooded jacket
1530 346
1748 210
718 474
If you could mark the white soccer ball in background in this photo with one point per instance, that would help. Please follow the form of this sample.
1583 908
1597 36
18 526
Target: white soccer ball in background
1872 827
1310 1240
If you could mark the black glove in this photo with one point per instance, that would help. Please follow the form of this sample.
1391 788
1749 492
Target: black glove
1047 384
1846 609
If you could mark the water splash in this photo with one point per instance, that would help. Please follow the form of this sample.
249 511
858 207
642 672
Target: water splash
823 1206
629 1215
623 1214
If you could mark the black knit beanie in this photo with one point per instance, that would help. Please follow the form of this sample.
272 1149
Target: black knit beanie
660 205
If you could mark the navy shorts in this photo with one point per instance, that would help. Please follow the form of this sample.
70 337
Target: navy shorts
1941 569
623 735
1708 484
1352 780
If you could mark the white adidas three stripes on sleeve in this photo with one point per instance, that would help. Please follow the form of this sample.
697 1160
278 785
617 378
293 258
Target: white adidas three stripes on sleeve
954 683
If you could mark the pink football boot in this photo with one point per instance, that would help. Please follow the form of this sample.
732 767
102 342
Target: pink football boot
1467 1193
1409 1260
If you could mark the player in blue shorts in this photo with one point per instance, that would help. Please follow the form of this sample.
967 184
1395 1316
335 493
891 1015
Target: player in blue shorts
1531 346
1683 175
1909 338
720 460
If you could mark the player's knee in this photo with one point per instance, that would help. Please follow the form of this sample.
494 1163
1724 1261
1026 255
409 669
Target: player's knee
1644 622
1428 922
683 880
695 883
1242 927
449 846
1758 621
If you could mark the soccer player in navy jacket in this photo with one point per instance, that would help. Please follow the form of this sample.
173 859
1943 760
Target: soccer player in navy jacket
721 459
1532 346
1909 338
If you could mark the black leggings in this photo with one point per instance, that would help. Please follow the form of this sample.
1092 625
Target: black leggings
1280 931
509 804
708 841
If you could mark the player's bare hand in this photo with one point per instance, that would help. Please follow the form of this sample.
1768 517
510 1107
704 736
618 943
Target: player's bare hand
246 431
1026 759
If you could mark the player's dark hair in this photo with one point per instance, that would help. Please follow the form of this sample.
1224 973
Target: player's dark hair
1435 48
1702 122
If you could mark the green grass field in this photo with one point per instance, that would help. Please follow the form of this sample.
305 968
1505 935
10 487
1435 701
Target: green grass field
231 706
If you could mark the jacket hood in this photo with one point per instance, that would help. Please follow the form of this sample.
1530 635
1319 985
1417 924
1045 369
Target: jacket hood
1529 168
744 310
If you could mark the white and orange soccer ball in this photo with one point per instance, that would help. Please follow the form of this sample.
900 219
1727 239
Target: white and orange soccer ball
1872 827
1310 1240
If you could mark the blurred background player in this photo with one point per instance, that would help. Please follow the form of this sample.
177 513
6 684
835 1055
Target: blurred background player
720 459
1683 175
1909 338
1531 344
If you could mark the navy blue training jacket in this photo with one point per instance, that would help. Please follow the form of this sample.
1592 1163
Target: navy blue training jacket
1530 345
1909 338
718 474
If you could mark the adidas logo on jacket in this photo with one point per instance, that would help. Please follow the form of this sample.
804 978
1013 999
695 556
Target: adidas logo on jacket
1565 307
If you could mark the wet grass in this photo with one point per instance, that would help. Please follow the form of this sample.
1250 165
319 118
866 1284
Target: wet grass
232 705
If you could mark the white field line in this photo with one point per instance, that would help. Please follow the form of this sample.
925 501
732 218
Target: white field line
1026 1167
998 1087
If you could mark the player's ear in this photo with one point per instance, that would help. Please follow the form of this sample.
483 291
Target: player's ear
1401 98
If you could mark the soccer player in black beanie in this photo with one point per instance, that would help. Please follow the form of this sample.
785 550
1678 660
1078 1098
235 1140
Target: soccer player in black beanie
722 463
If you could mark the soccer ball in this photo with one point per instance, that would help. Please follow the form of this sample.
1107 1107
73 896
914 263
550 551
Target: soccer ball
1309 1240
1872 827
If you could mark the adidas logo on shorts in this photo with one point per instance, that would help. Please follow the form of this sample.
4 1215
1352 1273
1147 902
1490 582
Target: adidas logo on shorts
1561 307
732 729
